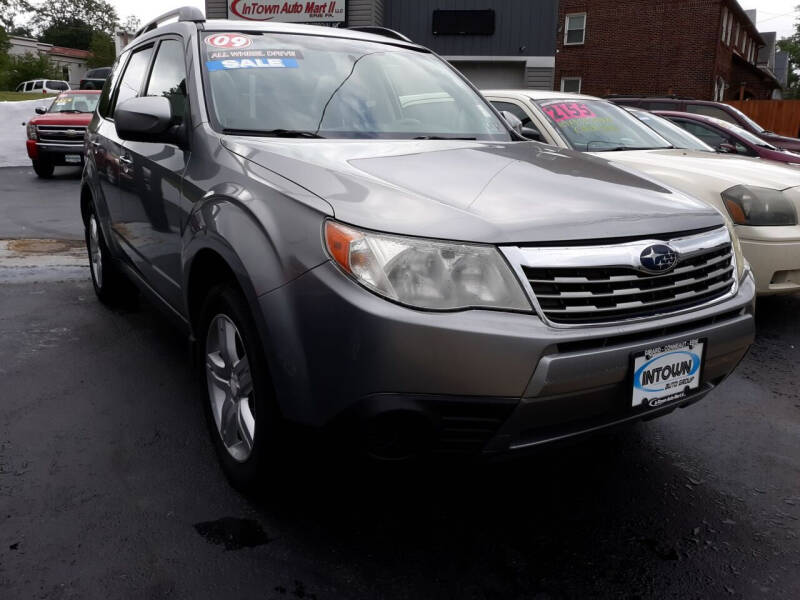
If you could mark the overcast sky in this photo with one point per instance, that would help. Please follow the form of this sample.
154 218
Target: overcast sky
773 15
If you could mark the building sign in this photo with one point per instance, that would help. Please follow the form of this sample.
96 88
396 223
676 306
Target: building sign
331 11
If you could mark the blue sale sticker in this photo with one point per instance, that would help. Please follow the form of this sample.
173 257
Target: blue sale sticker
251 63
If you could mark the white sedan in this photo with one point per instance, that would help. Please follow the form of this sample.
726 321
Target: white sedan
762 198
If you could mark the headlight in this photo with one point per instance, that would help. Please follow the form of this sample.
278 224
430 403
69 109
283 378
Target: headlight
757 206
32 133
424 273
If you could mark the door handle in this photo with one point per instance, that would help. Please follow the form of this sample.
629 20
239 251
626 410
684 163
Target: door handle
95 144
125 160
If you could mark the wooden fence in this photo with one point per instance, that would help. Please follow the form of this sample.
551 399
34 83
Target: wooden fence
780 116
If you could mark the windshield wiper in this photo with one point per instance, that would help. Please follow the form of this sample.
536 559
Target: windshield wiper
287 133
69 110
441 137
622 148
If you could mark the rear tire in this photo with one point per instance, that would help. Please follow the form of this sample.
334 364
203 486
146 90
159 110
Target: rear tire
110 285
240 408
44 168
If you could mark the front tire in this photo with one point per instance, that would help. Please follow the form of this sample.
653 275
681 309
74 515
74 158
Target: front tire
240 407
110 285
43 168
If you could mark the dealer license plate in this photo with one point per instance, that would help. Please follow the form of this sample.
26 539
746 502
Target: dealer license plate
72 159
667 373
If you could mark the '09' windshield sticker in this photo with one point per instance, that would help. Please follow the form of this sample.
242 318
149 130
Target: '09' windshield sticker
228 40
251 63
564 111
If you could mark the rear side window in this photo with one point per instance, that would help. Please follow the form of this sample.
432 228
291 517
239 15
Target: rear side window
132 79
514 110
168 77
37 85
20 87
57 85
29 86
711 111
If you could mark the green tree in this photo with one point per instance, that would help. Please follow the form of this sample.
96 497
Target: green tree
103 50
98 14
30 66
5 60
791 45
74 33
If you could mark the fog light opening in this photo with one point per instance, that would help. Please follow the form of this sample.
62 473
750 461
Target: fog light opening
399 436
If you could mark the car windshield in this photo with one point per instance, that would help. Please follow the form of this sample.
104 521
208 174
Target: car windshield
742 133
676 136
599 126
74 103
748 120
309 86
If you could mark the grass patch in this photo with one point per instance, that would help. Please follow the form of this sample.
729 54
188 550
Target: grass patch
18 96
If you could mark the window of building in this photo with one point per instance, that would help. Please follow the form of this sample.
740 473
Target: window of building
571 85
724 21
730 28
719 89
463 22
736 32
65 73
168 77
575 29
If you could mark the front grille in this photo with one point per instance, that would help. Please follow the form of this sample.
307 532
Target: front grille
62 134
600 293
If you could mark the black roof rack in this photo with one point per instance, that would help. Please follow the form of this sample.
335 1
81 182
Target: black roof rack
384 31
184 13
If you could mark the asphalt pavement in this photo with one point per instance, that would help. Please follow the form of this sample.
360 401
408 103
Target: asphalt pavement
109 487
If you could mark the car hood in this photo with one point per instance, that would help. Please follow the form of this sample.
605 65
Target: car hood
681 168
511 192
782 141
62 119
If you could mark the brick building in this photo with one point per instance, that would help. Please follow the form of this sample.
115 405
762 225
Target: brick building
704 49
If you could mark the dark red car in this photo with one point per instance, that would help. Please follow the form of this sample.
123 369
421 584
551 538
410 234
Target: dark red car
56 136
727 137
720 110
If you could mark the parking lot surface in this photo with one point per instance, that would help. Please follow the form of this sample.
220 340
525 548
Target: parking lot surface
110 489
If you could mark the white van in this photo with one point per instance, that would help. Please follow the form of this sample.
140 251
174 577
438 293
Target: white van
43 86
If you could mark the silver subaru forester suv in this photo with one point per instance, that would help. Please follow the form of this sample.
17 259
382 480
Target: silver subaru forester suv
352 237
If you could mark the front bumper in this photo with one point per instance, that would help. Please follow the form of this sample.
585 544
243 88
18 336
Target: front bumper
486 380
55 153
774 256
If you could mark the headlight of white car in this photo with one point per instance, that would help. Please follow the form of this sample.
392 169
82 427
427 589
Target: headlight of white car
759 207
426 273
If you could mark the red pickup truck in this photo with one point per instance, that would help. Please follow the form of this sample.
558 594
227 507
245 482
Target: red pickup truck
55 137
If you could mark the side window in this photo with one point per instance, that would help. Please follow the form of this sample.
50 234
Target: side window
515 110
709 135
20 87
168 77
104 103
37 85
133 77
29 86
710 111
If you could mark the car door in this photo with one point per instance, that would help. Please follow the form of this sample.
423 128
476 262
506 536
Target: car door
152 201
109 154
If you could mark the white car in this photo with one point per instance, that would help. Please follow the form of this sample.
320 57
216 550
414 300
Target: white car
43 86
761 197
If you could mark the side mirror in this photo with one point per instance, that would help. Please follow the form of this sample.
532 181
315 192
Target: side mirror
726 148
532 134
40 110
512 120
147 119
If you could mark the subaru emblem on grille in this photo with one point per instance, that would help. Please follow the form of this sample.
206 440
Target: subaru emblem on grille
72 132
658 258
